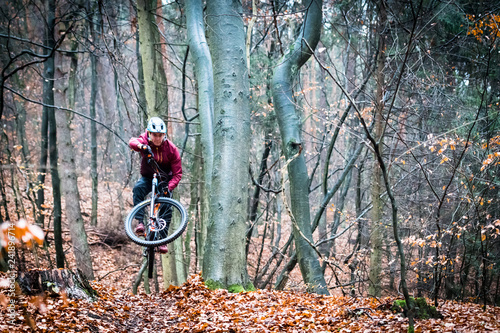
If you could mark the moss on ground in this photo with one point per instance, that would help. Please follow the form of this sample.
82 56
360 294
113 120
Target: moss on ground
250 287
422 309
234 288
213 285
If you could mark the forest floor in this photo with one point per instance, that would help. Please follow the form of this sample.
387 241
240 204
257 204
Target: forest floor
192 307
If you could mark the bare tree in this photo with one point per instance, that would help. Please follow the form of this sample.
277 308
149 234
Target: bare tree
289 124
205 101
68 167
224 264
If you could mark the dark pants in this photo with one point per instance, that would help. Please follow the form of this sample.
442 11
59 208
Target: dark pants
140 191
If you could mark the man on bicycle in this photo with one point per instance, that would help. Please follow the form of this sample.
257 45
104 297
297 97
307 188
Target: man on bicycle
153 143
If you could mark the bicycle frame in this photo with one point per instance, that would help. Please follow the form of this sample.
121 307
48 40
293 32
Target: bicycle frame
152 226
161 209
153 197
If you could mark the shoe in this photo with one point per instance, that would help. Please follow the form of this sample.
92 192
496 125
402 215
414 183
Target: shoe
163 249
139 230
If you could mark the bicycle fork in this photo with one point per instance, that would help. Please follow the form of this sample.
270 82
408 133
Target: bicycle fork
153 192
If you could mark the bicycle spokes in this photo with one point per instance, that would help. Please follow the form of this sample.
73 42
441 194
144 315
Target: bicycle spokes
163 221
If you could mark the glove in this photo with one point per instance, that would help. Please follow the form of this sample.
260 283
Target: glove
147 149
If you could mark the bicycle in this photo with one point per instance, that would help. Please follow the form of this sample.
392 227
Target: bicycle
162 209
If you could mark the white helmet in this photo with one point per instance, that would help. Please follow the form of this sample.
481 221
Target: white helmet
156 125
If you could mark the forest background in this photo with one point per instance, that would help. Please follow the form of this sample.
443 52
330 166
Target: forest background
386 147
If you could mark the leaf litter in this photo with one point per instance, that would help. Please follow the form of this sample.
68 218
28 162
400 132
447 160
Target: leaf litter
192 307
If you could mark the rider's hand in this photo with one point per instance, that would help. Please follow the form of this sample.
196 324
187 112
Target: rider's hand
147 149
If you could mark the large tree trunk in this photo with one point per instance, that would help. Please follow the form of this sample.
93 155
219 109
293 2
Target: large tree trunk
44 140
374 288
204 76
155 80
81 248
168 267
224 264
289 125
141 96
48 99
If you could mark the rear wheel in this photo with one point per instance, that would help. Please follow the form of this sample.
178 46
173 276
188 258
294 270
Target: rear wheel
167 212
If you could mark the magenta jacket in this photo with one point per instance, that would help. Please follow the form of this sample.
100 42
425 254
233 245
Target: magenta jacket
166 155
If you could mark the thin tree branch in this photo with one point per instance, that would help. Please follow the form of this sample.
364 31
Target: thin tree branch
69 110
254 181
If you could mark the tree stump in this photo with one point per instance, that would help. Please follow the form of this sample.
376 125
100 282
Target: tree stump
56 282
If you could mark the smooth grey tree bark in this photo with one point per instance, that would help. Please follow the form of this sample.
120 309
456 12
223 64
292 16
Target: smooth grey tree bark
155 80
224 263
204 77
289 123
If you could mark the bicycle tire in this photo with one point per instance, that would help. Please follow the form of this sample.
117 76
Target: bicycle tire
176 205
151 261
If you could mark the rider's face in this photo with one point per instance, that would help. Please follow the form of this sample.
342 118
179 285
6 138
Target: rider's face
157 138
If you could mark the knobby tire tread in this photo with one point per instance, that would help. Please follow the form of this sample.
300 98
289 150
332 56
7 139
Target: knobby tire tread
147 243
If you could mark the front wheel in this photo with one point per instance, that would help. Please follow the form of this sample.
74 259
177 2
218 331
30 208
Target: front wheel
167 224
